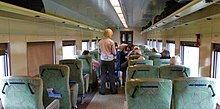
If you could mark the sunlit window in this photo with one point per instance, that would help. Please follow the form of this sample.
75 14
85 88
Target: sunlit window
69 49
85 45
170 45
216 65
190 57
154 45
148 42
93 45
151 43
4 65
159 45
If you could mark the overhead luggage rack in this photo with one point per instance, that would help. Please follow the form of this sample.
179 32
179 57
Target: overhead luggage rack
16 12
188 9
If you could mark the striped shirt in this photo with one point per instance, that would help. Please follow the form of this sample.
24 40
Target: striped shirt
107 49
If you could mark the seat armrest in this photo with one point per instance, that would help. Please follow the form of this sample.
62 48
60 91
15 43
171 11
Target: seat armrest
54 105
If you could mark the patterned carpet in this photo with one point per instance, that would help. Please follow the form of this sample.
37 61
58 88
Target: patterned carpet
108 101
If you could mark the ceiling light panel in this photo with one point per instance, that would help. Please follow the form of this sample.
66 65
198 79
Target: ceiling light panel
114 3
118 9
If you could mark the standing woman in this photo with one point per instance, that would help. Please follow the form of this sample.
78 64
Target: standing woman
108 53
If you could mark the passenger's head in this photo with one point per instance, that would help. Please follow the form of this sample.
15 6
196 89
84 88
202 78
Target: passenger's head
86 52
137 52
154 50
175 60
122 47
128 48
165 54
108 33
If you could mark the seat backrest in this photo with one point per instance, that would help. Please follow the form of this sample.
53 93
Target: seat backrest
95 55
142 71
161 62
132 57
174 71
22 92
154 56
87 63
76 72
137 62
56 77
148 93
194 93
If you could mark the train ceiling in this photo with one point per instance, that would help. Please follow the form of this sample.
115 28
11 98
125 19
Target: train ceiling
100 13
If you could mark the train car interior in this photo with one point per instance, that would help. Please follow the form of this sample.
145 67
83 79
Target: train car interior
164 54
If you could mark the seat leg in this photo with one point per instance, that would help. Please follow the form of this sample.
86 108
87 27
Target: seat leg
82 99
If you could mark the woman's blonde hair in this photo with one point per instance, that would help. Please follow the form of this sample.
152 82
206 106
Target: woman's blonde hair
108 33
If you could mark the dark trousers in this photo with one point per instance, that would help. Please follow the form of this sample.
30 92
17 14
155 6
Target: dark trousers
107 66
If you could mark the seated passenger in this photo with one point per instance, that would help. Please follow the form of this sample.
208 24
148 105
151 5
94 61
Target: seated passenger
123 61
95 64
154 50
175 60
165 54
138 52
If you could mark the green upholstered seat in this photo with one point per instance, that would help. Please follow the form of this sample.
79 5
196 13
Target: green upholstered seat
87 66
23 92
74 94
194 93
95 56
146 57
161 62
76 74
174 71
136 62
154 56
56 77
148 93
132 57
142 71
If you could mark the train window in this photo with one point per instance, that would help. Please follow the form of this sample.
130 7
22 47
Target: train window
39 53
85 45
190 57
170 45
216 61
151 43
154 43
4 66
69 49
93 45
126 37
159 45
148 42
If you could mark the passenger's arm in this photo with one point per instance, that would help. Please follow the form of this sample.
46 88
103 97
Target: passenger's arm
113 49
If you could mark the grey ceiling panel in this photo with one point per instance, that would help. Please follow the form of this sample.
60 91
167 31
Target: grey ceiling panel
100 13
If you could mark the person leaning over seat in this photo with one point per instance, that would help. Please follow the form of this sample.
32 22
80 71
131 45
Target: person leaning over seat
95 64
108 53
